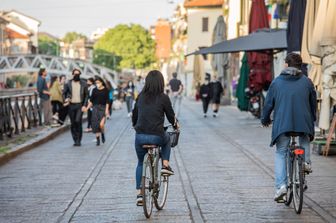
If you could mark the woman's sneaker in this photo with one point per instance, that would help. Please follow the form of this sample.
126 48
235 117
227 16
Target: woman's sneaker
139 200
167 170
280 194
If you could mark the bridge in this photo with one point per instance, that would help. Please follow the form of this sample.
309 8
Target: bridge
54 65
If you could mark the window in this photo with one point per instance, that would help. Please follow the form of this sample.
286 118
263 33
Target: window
205 24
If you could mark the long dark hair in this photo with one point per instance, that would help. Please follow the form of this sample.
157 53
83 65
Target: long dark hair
154 85
52 81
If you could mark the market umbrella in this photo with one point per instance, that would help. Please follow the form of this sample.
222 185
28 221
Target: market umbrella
198 69
323 46
243 100
260 63
219 61
296 19
260 40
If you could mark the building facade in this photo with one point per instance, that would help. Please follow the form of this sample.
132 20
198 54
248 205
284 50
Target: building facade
202 17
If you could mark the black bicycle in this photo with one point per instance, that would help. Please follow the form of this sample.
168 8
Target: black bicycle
154 185
296 173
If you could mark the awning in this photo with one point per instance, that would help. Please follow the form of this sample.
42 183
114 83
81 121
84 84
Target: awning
265 39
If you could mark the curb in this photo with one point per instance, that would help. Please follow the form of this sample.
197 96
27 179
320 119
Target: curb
31 144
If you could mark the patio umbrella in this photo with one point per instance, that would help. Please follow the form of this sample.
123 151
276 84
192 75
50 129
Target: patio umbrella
198 69
243 100
324 46
219 62
296 19
260 63
261 40
219 35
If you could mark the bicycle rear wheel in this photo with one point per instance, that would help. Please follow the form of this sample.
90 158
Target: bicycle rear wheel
147 187
289 195
298 183
162 188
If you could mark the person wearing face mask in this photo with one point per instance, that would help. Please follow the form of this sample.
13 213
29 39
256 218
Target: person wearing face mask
99 102
129 98
205 94
76 93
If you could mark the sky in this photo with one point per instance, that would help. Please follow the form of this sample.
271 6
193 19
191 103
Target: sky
85 16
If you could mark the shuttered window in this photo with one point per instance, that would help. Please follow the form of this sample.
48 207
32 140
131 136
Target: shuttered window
205 24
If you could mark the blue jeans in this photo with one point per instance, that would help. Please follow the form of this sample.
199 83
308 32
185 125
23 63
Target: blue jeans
144 139
282 144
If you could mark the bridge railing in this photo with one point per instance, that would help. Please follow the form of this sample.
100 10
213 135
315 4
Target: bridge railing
18 113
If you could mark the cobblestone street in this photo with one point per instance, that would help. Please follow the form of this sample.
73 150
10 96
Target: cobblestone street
223 173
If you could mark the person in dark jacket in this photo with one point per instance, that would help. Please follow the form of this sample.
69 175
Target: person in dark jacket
76 93
149 112
44 95
205 94
99 102
292 96
217 91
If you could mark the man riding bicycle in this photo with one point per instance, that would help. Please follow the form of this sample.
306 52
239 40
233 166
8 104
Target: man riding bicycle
293 98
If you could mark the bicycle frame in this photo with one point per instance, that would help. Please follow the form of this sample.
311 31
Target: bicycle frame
295 159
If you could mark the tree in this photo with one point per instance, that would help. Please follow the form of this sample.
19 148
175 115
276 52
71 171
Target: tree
48 45
132 43
72 36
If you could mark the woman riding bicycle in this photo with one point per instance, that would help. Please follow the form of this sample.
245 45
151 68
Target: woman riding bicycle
148 121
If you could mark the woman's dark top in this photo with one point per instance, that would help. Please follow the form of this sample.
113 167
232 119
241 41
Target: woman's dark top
99 97
206 91
148 115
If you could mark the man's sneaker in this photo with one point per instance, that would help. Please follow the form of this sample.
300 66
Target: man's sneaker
167 170
205 115
308 168
139 200
279 195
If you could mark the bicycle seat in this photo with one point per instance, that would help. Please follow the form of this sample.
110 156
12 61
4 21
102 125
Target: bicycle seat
294 134
149 146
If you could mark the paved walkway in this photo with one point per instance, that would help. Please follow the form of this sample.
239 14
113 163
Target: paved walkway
223 166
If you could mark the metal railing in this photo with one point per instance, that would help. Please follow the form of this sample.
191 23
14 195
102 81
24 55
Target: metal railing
18 113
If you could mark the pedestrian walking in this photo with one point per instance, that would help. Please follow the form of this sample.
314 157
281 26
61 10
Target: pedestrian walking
139 85
111 98
56 96
217 91
44 95
129 91
91 85
205 94
99 102
63 112
148 117
76 94
292 96
176 89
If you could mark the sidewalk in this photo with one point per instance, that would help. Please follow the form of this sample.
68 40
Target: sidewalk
223 173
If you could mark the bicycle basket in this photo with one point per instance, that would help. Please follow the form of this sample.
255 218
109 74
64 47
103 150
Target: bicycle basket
174 138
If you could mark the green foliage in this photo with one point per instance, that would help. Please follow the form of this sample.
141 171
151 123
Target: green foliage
106 59
22 80
72 36
4 149
48 46
131 43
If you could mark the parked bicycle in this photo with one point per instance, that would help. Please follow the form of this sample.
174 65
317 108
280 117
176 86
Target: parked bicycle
296 183
154 186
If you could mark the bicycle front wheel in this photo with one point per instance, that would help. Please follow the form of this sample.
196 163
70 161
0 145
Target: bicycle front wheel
147 187
162 188
298 183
